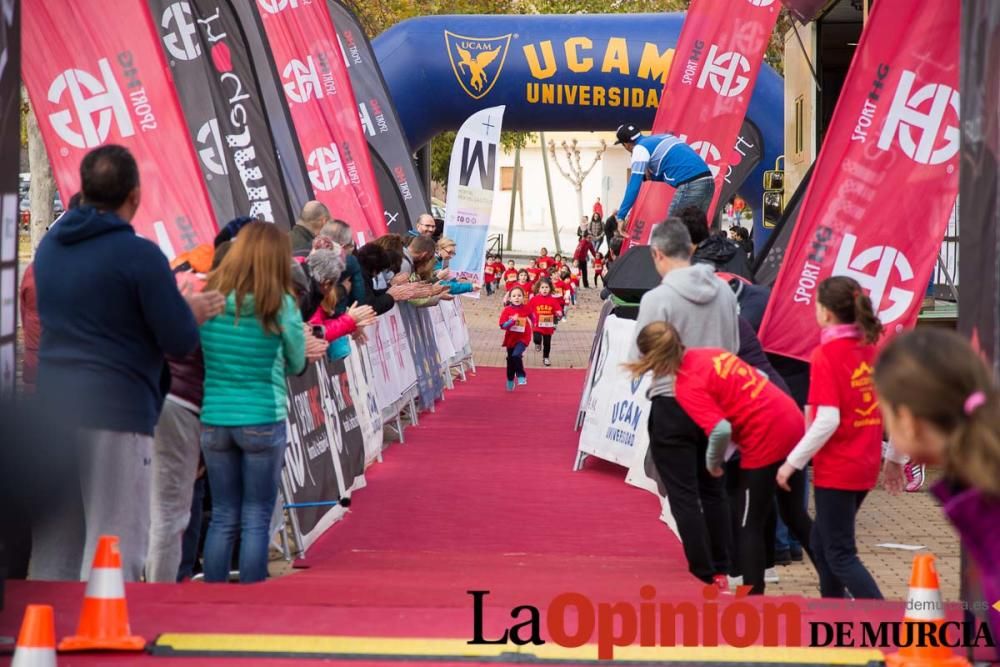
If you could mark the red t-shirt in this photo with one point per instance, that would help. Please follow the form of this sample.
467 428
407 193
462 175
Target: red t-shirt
521 331
488 272
544 310
560 288
713 385
533 274
510 276
574 280
841 377
598 266
524 286
544 263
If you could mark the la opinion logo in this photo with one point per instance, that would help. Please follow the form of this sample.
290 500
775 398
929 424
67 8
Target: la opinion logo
476 61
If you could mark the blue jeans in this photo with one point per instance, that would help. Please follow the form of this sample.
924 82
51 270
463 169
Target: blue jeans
244 469
783 541
834 548
697 193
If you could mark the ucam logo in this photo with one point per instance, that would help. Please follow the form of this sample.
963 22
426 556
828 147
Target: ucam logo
275 6
301 80
889 268
326 170
95 103
180 32
922 112
210 148
476 61
725 72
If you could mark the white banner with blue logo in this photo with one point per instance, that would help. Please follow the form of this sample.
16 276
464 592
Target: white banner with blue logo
473 178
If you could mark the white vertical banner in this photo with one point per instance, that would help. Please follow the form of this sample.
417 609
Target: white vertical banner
473 177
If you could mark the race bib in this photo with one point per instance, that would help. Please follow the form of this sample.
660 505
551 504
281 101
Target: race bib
518 325
546 321
489 270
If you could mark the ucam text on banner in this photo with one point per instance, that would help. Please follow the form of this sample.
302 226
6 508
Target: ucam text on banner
105 81
886 180
472 181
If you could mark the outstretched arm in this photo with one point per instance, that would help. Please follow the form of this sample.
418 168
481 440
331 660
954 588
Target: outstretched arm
631 192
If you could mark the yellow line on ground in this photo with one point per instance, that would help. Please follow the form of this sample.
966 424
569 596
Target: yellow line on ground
391 647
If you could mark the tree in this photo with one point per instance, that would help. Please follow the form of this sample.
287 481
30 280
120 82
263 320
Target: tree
574 172
42 188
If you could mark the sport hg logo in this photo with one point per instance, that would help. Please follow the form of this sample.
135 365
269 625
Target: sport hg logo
302 80
181 43
710 154
94 102
275 6
210 148
476 61
910 112
725 72
887 260
326 171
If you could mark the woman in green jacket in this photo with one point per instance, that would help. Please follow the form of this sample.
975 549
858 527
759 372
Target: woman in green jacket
249 349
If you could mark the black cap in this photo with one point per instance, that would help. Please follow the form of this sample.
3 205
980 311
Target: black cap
627 132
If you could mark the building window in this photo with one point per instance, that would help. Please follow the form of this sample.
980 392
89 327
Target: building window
507 178
799 123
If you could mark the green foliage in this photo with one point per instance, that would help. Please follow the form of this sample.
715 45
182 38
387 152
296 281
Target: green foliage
442 144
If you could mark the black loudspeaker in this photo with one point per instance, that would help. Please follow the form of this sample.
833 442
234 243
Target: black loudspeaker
633 274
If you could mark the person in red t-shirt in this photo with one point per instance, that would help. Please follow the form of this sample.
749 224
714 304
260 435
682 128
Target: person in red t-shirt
574 279
524 282
559 263
509 276
544 261
732 401
599 269
534 272
515 320
844 440
489 274
546 310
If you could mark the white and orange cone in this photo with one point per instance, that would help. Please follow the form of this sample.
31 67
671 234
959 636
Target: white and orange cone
104 617
924 605
36 644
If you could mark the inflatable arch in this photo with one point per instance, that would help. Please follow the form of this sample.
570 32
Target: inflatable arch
554 73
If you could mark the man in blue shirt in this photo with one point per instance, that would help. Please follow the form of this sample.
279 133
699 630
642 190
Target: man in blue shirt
664 157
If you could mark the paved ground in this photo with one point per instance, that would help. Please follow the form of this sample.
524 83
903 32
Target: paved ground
911 518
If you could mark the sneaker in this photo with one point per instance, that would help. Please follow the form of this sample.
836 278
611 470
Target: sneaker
546 362
735 582
914 477
783 557
521 381
796 553
771 576
510 385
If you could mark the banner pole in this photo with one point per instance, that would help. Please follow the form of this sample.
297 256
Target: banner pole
548 188
513 196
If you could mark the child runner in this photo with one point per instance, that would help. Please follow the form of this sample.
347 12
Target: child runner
489 271
524 281
732 401
574 279
534 272
566 285
544 261
546 310
941 406
559 263
515 320
844 440
509 276
599 269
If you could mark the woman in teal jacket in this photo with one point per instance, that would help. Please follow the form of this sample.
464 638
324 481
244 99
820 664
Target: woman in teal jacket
445 252
249 349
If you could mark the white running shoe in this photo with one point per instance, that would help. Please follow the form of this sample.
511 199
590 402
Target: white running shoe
771 575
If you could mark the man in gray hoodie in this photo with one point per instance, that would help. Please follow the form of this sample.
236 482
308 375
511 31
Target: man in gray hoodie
704 311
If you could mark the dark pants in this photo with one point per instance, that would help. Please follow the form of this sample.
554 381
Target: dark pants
489 289
515 361
757 489
582 265
545 340
697 500
599 278
192 540
834 546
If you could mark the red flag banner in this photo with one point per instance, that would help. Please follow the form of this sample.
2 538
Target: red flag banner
324 111
886 179
718 56
106 81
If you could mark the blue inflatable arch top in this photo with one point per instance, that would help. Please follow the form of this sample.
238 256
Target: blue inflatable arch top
554 73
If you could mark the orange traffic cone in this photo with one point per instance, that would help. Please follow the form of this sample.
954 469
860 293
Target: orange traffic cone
104 616
923 605
36 645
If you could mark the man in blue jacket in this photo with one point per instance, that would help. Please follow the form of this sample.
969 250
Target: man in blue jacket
110 310
665 158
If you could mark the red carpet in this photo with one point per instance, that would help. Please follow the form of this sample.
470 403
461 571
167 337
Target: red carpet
481 497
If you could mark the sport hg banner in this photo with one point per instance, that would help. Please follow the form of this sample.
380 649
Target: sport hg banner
325 113
885 183
707 93
10 133
105 81
472 181
746 155
380 123
215 79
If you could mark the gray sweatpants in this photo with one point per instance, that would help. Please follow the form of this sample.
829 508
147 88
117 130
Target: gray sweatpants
112 499
176 448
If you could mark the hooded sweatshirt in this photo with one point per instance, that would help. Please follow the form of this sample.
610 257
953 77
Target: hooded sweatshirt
724 255
110 309
700 306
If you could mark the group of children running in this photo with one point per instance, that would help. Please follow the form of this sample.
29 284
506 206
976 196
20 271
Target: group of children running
535 299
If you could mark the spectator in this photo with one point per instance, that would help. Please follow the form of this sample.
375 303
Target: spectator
718 251
701 309
418 252
741 237
339 232
610 229
101 363
445 252
426 226
378 267
28 305
311 221
248 350
598 209
326 267
584 249
581 231
596 230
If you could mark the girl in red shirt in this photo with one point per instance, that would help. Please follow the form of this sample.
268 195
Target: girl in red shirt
546 310
524 282
515 320
734 402
534 272
599 269
844 440
489 274
509 276
544 261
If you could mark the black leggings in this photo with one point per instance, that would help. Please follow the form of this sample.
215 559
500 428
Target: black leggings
515 361
757 491
582 265
545 340
599 278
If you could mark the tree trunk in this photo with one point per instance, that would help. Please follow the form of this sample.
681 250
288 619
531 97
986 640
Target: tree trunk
43 185
579 203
